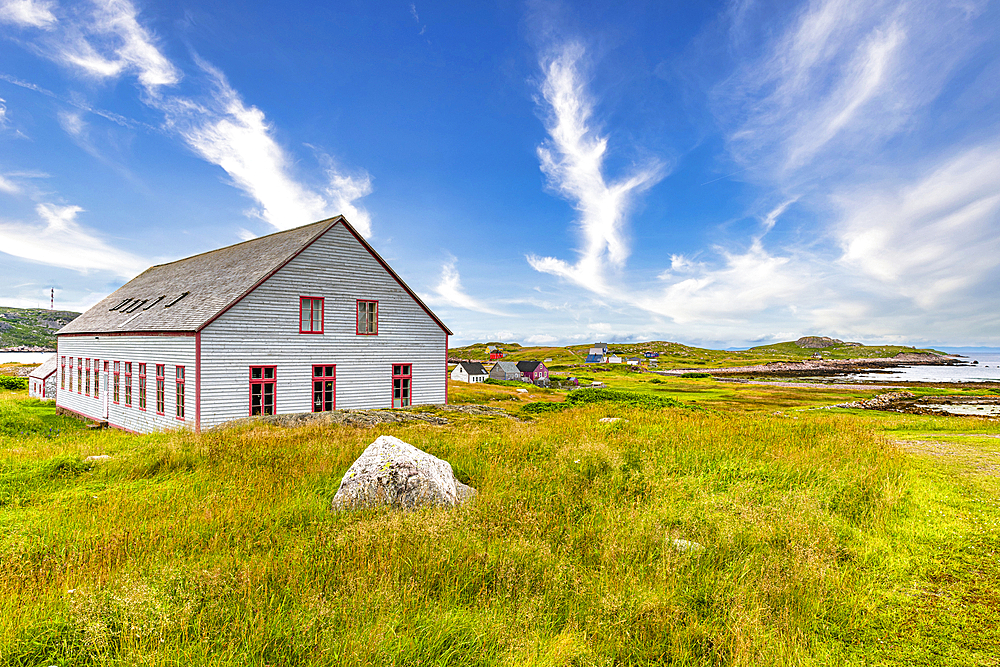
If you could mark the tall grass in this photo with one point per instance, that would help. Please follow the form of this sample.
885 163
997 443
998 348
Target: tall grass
221 548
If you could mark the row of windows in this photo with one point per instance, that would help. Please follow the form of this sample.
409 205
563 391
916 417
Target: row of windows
263 385
264 393
84 386
311 316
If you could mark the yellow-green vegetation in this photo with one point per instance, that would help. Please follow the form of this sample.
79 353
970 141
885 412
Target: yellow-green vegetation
32 326
755 531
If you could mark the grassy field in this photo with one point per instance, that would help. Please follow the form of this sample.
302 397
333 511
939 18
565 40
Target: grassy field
828 537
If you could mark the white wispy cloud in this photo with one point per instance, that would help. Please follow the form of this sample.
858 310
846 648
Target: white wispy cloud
107 39
227 132
27 13
57 239
838 80
573 160
929 237
8 186
449 291
72 122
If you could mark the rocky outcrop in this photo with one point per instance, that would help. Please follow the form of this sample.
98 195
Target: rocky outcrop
396 474
817 342
880 402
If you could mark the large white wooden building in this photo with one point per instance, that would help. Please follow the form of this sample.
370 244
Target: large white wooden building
309 319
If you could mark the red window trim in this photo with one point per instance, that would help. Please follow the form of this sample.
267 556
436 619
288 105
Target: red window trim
250 381
129 402
161 386
180 381
87 386
312 384
357 330
143 388
392 387
322 317
116 387
62 379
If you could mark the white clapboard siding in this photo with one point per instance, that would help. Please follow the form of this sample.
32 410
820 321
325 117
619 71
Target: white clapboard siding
150 350
263 329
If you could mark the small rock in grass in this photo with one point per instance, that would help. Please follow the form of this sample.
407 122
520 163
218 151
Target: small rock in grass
686 546
611 420
396 474
96 458
522 390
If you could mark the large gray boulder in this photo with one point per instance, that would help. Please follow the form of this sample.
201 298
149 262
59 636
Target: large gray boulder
394 473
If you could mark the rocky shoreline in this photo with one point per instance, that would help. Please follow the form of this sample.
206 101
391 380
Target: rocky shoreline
825 366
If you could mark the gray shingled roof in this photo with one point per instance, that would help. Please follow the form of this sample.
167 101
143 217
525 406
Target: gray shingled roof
507 366
48 367
473 367
210 283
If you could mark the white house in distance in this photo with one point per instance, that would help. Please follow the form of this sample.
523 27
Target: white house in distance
43 381
309 319
470 371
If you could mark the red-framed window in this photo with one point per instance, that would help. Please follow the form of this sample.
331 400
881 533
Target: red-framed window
179 376
262 390
311 314
402 379
324 381
128 383
79 375
86 387
367 318
142 386
97 378
62 375
116 385
161 388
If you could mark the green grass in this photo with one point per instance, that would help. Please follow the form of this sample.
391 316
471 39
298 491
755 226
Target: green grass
826 541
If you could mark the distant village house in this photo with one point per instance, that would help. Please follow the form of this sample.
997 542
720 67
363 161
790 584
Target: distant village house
505 370
533 371
43 382
597 353
470 371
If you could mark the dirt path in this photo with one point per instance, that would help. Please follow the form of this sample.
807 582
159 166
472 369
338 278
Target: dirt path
974 457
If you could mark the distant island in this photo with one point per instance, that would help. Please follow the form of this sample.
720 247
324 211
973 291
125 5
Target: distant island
814 349
31 329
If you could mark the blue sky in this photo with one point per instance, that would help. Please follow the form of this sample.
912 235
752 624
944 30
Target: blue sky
719 174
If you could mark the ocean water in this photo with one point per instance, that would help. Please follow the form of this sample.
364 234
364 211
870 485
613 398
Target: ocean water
987 370
24 357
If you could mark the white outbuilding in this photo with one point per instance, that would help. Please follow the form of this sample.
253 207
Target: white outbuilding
308 319
43 382
470 371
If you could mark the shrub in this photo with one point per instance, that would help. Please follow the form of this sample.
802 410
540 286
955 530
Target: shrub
636 399
507 383
13 383
542 407
696 375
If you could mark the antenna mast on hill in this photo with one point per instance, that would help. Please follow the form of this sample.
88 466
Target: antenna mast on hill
52 299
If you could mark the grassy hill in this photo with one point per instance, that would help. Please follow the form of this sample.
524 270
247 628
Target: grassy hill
680 355
32 326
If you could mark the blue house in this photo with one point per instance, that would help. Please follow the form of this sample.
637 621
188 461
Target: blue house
598 351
